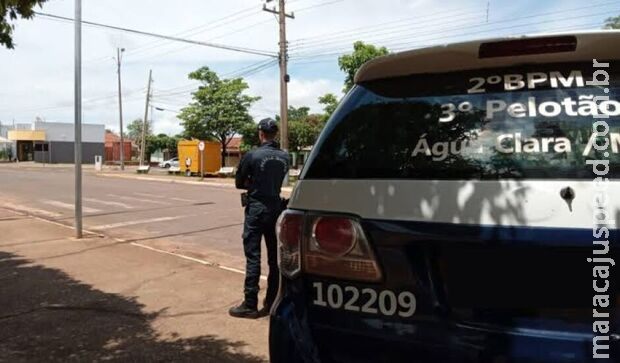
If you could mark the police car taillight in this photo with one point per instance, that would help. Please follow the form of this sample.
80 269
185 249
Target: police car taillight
325 245
334 236
289 231
337 247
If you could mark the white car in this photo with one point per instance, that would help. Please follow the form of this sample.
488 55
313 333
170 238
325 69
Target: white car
168 163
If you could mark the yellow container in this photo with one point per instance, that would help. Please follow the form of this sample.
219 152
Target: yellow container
189 157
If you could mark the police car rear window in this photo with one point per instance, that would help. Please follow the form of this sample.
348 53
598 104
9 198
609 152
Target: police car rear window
528 122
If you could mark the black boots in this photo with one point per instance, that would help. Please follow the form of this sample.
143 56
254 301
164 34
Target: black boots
249 311
244 311
266 307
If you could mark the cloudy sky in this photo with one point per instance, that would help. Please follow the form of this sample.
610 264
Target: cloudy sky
36 79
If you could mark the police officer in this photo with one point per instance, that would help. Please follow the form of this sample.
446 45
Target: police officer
261 172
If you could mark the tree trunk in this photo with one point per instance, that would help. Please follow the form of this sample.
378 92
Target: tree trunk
224 145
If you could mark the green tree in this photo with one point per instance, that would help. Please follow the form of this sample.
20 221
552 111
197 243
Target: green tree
297 113
304 132
219 109
134 132
329 102
249 137
162 142
304 127
11 10
612 22
350 63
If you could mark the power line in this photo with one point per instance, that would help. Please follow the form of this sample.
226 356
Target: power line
251 69
494 30
380 26
167 37
330 57
374 37
384 28
396 41
245 71
91 101
234 17
211 26
184 47
387 30
318 5
178 88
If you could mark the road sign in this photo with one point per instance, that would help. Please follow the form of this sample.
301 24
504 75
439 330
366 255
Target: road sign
201 146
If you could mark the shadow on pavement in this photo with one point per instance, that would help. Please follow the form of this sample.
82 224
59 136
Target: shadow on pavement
45 315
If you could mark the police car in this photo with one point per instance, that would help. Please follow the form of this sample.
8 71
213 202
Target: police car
461 205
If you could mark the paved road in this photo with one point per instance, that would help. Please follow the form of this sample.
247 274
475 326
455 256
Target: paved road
195 220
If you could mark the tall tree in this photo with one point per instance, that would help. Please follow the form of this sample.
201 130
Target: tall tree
612 22
249 137
219 109
162 142
350 63
329 102
11 10
304 132
134 132
304 127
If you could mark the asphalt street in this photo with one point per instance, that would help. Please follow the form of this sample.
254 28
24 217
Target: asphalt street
199 221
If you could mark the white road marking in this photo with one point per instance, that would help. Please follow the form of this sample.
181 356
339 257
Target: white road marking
29 210
114 204
164 197
183 200
149 195
68 206
137 199
132 223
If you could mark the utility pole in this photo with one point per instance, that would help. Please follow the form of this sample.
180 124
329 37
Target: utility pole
284 77
119 52
78 118
146 115
488 8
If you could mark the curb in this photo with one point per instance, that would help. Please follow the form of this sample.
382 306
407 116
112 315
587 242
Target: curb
162 180
171 181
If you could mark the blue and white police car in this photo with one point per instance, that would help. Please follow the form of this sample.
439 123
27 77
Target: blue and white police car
461 205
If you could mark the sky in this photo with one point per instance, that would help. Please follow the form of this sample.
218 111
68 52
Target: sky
36 78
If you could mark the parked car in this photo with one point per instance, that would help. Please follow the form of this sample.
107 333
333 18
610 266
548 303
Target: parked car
445 213
168 163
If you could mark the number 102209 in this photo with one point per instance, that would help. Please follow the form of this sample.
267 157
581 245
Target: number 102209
366 300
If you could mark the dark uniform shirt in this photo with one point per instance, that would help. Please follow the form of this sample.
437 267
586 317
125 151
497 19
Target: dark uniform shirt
262 171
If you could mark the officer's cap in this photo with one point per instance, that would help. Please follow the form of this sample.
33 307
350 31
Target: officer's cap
268 125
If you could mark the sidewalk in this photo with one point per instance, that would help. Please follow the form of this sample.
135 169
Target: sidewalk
95 299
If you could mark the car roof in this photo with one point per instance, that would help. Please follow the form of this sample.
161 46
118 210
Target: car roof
601 44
